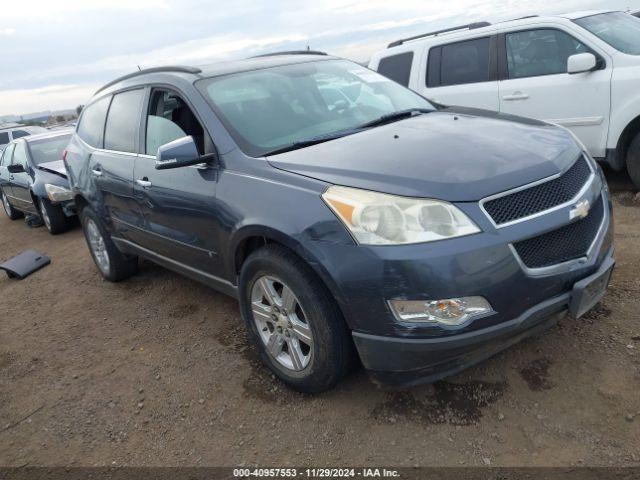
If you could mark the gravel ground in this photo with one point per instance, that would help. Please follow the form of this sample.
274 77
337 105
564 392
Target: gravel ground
156 371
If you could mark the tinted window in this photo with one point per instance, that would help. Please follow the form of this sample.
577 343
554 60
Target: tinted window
540 52
4 138
397 67
618 29
170 118
48 150
465 62
6 155
19 133
91 125
20 154
122 121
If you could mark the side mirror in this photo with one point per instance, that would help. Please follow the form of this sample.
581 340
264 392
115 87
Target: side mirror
15 168
180 153
581 62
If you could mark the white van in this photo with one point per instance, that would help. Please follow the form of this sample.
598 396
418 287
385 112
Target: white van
578 70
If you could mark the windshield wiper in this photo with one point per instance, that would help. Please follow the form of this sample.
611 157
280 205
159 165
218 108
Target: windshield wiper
395 116
310 142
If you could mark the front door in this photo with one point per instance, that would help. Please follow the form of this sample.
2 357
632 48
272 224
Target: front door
21 182
177 204
537 85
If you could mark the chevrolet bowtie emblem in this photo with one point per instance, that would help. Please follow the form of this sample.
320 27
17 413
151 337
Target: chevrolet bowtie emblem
580 210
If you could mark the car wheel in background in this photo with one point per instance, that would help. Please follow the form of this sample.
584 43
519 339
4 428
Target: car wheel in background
633 161
11 212
112 263
293 320
53 217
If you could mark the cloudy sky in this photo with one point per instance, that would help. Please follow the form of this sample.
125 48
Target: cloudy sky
55 53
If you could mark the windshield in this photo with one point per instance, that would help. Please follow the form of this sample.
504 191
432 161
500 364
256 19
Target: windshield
49 149
620 30
265 110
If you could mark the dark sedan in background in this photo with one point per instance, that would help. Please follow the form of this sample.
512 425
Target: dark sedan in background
33 180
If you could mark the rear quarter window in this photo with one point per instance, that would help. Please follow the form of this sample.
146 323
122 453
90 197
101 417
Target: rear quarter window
397 67
91 126
4 138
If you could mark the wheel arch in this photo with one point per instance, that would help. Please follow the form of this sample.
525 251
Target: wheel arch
626 137
250 238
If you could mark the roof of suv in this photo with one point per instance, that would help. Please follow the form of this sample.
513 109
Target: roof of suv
488 27
229 67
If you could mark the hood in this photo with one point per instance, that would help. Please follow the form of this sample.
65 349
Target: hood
455 154
56 167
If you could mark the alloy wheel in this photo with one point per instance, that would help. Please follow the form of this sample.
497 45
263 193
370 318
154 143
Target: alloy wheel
98 246
282 323
5 204
45 215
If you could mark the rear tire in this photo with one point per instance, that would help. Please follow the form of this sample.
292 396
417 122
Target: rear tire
111 262
633 161
11 212
53 217
300 333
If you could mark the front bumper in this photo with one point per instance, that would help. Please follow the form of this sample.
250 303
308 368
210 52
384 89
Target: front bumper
410 361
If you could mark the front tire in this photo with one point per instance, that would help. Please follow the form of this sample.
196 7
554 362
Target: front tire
293 320
111 262
633 161
11 212
53 217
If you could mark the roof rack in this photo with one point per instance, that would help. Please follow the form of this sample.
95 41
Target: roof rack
470 26
291 52
179 69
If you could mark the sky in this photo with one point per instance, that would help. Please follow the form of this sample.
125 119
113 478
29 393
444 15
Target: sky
55 54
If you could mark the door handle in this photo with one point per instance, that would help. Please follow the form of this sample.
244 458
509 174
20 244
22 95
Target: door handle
143 183
11 177
516 96
97 173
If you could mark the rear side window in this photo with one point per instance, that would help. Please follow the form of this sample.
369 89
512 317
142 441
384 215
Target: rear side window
4 138
397 67
465 62
459 63
123 121
91 127
19 134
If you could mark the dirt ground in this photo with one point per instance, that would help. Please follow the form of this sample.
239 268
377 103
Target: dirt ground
156 371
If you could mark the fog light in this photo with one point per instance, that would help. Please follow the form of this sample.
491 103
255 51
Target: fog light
448 312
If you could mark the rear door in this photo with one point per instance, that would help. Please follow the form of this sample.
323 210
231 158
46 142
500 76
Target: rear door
535 83
178 204
463 73
110 127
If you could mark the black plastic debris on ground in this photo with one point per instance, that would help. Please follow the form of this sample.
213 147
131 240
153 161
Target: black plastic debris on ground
25 264
33 220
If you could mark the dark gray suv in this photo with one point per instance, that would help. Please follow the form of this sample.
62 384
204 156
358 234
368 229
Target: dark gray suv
345 212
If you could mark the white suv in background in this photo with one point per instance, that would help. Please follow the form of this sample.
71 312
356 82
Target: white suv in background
10 132
578 70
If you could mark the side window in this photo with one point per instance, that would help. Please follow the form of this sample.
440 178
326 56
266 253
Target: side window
6 155
397 67
123 120
91 126
465 62
170 118
19 134
20 154
4 138
540 52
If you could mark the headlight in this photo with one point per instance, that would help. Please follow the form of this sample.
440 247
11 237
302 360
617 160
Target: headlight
449 312
58 194
381 219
